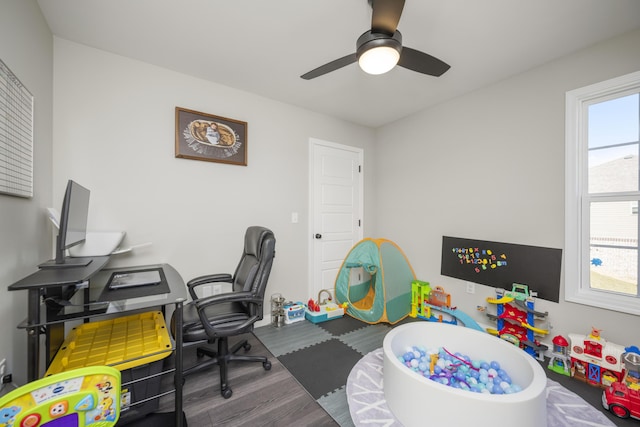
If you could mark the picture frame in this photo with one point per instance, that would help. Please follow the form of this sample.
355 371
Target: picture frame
210 138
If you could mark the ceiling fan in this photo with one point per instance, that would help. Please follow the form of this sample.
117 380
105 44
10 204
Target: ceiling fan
380 49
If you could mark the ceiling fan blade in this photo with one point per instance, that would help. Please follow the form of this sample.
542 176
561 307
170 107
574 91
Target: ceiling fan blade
331 66
422 62
386 15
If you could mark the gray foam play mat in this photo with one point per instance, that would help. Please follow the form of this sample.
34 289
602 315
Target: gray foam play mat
367 405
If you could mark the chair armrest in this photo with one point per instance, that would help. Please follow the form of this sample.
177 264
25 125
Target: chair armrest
203 280
241 296
246 297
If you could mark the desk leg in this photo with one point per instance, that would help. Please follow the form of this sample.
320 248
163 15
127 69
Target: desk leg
54 340
33 335
178 377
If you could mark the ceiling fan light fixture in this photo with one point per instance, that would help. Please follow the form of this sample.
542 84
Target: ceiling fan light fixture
378 53
379 60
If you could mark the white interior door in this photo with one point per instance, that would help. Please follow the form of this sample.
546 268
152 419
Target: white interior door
336 219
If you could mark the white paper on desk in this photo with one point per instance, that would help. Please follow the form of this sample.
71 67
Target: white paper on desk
97 243
54 217
130 248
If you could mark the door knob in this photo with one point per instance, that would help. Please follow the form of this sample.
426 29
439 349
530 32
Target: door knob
318 236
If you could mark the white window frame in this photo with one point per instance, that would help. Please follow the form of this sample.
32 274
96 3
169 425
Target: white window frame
576 279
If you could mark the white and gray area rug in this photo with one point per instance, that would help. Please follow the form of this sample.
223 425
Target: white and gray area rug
367 405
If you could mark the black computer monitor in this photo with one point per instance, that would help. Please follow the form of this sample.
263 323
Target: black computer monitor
73 226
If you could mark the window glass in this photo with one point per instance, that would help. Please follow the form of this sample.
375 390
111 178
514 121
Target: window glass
613 253
613 145
613 122
620 173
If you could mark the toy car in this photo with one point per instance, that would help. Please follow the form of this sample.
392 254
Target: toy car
622 401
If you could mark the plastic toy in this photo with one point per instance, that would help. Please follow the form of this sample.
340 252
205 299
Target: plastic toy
323 310
515 319
621 401
458 370
622 398
293 312
76 398
597 361
425 299
559 361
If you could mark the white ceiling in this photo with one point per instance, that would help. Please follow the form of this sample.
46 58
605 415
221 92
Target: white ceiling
263 46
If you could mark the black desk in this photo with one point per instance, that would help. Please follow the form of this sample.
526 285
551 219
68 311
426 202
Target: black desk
56 286
50 288
53 281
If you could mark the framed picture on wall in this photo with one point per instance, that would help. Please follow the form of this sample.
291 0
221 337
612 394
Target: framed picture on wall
201 136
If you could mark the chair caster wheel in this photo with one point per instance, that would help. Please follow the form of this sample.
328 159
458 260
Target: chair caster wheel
226 393
266 365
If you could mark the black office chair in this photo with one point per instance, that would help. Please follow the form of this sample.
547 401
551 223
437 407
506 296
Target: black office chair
221 316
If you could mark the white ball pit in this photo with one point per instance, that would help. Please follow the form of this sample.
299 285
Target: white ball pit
419 401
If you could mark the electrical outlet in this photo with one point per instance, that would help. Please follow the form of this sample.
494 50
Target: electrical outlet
471 288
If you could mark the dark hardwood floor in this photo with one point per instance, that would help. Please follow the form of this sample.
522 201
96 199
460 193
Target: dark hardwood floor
260 398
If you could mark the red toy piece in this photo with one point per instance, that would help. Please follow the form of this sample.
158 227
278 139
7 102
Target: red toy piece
622 401
313 306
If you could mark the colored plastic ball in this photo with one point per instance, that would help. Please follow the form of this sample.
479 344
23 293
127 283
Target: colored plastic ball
459 370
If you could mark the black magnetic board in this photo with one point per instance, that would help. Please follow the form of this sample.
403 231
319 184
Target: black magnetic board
501 264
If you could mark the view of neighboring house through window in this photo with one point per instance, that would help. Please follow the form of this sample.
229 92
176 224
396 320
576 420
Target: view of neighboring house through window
602 194
613 194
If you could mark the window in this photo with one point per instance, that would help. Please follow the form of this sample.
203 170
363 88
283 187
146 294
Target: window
602 159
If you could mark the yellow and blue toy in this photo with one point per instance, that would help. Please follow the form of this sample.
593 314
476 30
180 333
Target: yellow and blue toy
76 398
430 303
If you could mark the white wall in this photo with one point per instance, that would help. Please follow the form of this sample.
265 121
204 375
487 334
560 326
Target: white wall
490 165
114 133
26 47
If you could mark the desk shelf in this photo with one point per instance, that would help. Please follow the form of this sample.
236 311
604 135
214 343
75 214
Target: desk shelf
87 283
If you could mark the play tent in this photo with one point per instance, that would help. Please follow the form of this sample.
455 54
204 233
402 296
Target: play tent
375 280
